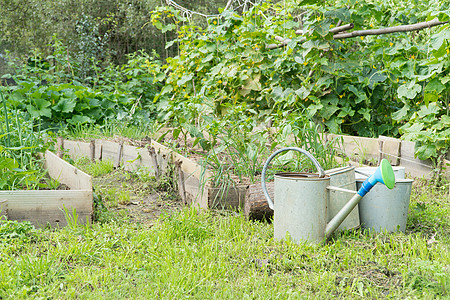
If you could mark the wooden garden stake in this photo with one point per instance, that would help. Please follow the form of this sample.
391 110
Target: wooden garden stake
380 151
92 150
119 153
60 147
3 209
152 152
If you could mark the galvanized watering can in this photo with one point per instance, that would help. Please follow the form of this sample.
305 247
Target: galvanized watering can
300 207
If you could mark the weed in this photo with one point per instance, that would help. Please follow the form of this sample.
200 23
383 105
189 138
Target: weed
97 168
16 230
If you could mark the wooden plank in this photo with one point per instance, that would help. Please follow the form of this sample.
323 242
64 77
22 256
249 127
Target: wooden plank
110 151
136 157
130 158
77 149
187 164
67 174
98 151
191 169
47 207
192 188
361 149
391 149
3 209
414 166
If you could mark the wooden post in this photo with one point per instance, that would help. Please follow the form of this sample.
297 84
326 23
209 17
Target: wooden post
92 150
60 146
152 152
256 206
119 154
380 151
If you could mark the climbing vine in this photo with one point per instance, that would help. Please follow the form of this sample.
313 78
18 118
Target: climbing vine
391 84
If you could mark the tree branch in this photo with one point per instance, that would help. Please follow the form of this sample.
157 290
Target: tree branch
300 32
401 28
335 29
346 35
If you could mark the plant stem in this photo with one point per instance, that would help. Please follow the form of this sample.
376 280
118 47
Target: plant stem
6 120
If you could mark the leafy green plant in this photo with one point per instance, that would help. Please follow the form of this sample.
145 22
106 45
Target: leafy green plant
52 91
353 86
16 230
20 140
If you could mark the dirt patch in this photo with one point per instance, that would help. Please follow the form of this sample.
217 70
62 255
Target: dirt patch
374 274
139 197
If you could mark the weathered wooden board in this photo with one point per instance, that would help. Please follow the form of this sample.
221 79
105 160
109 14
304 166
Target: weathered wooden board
134 158
67 174
111 151
391 149
359 148
196 192
414 166
77 149
47 207
130 158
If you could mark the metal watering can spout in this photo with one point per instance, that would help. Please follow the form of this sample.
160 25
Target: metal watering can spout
384 174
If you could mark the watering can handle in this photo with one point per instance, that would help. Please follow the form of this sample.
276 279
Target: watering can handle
266 165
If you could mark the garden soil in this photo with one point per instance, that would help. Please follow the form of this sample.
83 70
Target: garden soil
140 200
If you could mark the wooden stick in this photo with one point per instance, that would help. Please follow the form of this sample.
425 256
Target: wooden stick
274 46
300 32
154 161
60 147
119 154
380 155
401 28
333 30
92 150
387 30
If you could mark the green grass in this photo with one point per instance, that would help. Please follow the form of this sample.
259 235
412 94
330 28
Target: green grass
221 255
97 168
110 129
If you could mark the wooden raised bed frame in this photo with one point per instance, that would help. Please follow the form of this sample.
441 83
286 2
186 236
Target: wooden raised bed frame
194 181
49 207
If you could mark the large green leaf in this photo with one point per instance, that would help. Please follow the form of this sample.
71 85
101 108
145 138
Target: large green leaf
40 108
65 105
185 79
402 113
78 119
435 86
431 109
328 110
426 151
409 90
